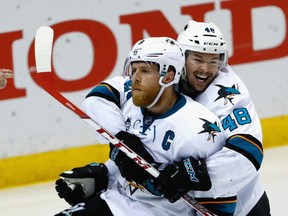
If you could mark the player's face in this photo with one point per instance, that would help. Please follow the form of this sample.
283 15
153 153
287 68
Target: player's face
201 69
145 83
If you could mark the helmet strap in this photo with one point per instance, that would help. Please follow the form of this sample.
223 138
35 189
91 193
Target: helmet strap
163 86
157 97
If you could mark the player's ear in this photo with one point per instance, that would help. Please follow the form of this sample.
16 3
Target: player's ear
169 77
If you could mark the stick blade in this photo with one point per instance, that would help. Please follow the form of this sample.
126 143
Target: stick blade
43 48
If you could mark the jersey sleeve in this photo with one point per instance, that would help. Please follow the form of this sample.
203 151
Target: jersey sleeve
241 123
103 103
229 172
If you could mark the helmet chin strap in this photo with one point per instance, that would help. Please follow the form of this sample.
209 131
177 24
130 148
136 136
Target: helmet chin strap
163 86
157 97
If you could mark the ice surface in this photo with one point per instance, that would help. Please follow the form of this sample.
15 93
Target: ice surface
41 199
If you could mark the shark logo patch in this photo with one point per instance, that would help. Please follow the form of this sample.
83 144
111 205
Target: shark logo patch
210 128
227 93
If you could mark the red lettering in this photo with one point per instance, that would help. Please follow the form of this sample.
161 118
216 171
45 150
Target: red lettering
153 22
197 12
139 161
242 31
6 61
105 53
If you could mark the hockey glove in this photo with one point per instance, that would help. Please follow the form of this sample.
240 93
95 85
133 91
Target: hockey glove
81 182
127 167
179 178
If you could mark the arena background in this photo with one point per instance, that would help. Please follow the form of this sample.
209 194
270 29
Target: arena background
40 138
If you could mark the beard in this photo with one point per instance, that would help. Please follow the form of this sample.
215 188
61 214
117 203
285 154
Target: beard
145 97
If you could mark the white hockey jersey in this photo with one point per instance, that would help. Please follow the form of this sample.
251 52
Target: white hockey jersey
188 129
240 159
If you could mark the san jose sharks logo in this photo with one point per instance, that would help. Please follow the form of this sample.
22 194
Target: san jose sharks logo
227 93
210 128
133 187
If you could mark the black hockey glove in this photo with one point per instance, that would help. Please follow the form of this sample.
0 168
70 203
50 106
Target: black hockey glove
127 167
80 183
179 178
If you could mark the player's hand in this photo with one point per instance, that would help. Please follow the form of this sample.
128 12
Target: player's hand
4 75
80 183
128 168
179 178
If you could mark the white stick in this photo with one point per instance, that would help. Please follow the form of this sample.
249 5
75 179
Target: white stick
43 48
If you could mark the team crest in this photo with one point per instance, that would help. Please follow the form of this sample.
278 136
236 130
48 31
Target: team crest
133 187
227 93
210 128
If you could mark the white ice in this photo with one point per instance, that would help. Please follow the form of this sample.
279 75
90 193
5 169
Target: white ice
41 199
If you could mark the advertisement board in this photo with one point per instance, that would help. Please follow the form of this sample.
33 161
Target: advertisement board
92 40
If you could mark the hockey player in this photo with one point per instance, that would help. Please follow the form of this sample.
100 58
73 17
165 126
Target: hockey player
4 75
210 81
214 84
166 128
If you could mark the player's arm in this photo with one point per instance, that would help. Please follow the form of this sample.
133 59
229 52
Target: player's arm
229 171
220 199
245 135
104 102
235 165
242 127
231 168
238 117
241 158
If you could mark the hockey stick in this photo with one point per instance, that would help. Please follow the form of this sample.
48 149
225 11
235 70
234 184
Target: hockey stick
43 53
